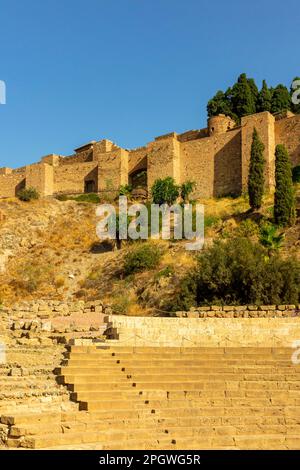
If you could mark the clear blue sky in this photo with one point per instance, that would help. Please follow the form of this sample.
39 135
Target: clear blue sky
129 70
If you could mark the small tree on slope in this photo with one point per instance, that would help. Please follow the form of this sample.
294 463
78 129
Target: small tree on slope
256 180
284 204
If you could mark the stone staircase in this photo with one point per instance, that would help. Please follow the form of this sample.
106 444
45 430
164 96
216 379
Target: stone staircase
148 397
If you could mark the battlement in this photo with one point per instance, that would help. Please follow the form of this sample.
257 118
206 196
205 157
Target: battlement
216 158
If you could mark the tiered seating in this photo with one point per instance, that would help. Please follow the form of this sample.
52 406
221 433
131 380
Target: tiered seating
171 397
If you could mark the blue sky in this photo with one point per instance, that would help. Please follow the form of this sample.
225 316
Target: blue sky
129 70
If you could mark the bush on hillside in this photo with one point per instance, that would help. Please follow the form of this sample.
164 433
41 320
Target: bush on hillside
142 257
88 197
240 272
296 174
28 194
165 191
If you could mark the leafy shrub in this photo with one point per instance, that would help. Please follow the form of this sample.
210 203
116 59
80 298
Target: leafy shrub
28 194
165 191
296 174
166 272
186 189
270 238
125 190
211 220
88 197
121 304
144 256
247 228
239 272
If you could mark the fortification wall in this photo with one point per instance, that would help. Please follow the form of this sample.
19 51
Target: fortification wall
287 132
138 159
80 157
71 178
197 164
112 168
11 183
265 126
40 177
227 163
164 159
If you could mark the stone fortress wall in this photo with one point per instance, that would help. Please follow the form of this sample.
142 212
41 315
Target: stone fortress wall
216 158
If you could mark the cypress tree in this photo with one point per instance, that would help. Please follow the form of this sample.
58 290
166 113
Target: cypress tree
256 180
264 101
281 99
254 91
284 204
243 100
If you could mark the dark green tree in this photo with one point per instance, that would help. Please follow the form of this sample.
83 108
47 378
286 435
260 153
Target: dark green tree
281 99
256 180
219 104
254 90
284 204
264 102
243 100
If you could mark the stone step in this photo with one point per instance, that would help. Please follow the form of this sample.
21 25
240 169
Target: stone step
227 402
86 359
94 375
209 394
29 418
166 367
172 349
85 383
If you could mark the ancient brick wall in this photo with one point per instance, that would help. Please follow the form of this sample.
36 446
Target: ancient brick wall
164 159
287 132
273 330
138 159
112 168
71 178
265 126
197 164
216 158
40 177
11 183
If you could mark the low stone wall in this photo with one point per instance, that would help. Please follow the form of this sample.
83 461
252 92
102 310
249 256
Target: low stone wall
40 322
206 332
242 311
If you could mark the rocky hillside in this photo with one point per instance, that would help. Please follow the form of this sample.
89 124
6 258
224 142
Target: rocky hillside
49 249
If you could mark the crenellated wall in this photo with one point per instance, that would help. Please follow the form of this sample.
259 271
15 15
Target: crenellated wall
215 158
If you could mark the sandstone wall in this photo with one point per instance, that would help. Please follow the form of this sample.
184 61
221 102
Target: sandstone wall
138 159
265 126
40 177
287 132
71 178
275 331
197 164
11 183
112 168
164 159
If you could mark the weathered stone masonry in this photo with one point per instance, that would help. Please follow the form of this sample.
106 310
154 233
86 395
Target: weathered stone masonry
216 158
